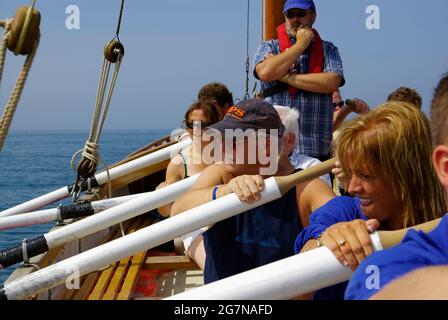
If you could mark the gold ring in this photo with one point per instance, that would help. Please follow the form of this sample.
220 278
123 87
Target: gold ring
341 243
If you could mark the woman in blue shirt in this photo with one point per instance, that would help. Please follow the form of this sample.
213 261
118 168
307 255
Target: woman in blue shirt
418 249
386 157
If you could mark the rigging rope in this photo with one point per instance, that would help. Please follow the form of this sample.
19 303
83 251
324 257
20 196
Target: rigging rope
86 168
19 29
247 96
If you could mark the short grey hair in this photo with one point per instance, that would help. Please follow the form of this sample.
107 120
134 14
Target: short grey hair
290 119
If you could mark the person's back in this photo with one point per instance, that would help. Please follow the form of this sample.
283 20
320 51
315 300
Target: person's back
417 250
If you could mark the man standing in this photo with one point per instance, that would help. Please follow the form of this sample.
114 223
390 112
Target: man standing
301 71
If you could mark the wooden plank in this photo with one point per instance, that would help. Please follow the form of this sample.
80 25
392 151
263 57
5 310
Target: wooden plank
142 153
137 175
132 275
122 269
87 286
107 274
170 262
91 279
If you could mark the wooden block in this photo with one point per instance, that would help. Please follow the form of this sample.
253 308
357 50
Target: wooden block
170 262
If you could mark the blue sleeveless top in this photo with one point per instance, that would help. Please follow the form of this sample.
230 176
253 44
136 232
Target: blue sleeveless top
251 239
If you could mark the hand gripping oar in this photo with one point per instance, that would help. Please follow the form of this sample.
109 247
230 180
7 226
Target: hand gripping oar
154 235
100 221
100 178
64 212
293 276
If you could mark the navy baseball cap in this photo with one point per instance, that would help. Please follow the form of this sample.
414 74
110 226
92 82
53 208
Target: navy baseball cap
299 4
250 114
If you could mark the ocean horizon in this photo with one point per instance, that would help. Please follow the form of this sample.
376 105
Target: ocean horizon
35 162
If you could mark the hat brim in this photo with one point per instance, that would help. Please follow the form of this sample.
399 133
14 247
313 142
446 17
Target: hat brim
297 6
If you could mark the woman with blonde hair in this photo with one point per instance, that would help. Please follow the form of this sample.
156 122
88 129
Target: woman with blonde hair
386 156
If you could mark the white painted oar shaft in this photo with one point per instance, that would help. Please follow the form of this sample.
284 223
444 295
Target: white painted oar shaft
54 214
28 219
140 163
144 239
101 178
37 203
283 279
119 213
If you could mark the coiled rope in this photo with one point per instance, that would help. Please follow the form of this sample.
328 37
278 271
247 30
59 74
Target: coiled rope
21 32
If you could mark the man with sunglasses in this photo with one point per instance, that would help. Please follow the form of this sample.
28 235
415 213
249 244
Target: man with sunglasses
301 71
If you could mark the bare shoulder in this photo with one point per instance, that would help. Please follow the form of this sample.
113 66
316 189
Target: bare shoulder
175 169
214 174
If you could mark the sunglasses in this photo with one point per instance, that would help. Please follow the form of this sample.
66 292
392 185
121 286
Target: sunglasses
298 13
338 104
191 124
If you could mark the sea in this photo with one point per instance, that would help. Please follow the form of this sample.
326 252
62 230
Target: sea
33 163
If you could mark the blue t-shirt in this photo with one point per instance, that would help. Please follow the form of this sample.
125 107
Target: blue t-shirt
339 209
249 240
417 250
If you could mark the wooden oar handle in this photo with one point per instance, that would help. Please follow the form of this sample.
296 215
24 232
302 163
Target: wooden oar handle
287 182
392 238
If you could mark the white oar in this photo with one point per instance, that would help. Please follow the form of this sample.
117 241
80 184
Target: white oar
100 178
64 212
290 277
100 221
154 235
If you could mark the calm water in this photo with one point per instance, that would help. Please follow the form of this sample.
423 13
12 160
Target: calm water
33 163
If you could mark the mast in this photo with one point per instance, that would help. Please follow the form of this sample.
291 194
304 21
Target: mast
273 17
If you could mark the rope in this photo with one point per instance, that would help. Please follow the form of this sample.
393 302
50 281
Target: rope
247 96
113 53
6 24
14 98
119 20
90 154
262 18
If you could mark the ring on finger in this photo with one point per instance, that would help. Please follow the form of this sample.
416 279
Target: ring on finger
341 243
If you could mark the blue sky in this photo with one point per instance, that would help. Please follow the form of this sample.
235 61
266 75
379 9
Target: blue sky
173 47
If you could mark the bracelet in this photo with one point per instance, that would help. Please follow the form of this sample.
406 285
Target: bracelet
319 242
215 189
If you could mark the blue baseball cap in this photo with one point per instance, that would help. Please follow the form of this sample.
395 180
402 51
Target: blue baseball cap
299 4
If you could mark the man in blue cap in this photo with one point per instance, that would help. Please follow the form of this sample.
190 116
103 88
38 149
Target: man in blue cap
301 71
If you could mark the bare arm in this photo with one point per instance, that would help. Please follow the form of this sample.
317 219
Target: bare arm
201 192
325 83
275 67
311 196
357 106
339 116
174 173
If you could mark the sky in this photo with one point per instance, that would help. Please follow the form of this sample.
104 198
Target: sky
173 47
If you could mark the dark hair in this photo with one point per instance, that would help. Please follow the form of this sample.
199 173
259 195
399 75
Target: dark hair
439 112
209 110
216 91
405 94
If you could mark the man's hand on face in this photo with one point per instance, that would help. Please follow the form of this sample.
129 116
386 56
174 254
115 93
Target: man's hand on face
304 37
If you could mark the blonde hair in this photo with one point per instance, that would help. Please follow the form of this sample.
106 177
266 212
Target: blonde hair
395 139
